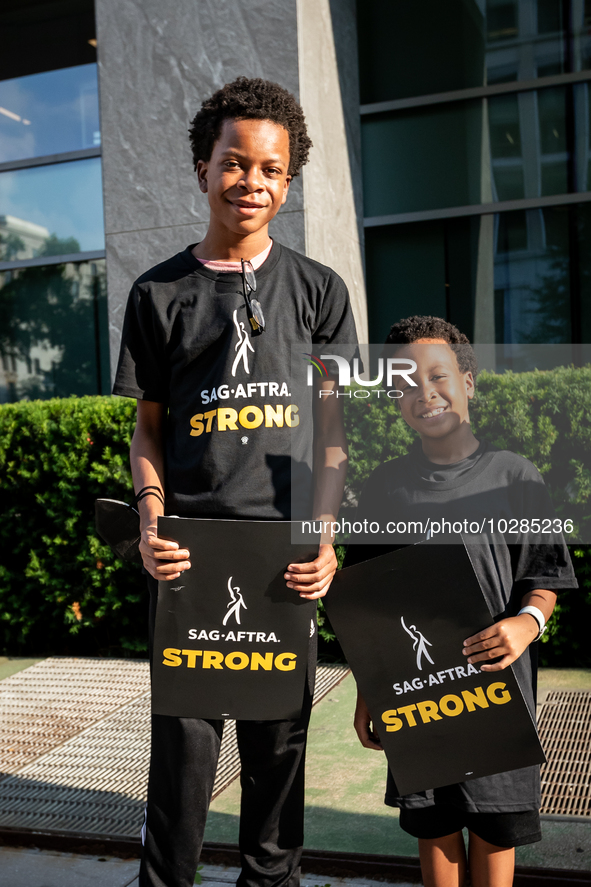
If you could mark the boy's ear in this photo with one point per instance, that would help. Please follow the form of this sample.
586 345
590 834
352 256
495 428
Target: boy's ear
286 185
202 175
470 387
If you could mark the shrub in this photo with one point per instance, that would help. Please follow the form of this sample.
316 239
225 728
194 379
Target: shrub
61 588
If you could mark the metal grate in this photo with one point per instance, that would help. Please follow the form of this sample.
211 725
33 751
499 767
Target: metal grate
327 677
95 782
46 704
565 733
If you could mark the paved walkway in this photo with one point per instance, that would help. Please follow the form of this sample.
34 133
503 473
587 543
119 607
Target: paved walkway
24 867
37 868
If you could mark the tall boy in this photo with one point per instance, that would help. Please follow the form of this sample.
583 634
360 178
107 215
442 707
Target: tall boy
450 469
212 437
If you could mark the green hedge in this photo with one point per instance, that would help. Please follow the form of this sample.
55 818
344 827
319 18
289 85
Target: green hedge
61 588
63 591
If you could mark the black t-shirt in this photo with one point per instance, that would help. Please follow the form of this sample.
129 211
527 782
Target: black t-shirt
229 450
411 488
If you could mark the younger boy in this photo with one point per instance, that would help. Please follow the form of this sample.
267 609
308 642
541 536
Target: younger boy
448 473
211 373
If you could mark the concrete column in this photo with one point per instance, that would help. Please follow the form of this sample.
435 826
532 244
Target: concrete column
329 94
484 293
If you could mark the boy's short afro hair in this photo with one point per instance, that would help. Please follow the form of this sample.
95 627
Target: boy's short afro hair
255 99
409 330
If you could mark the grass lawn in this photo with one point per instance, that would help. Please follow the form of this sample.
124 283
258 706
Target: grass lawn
345 788
11 664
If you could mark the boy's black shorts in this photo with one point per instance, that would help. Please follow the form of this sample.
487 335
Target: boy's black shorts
500 829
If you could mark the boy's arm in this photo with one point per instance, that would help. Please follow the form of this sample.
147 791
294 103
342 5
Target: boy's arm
162 559
312 580
509 638
364 727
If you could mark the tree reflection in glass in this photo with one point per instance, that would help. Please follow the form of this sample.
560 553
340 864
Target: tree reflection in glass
53 335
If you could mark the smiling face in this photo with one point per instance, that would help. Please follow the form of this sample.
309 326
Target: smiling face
438 407
246 178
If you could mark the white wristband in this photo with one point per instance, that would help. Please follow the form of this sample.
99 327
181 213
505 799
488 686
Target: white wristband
538 616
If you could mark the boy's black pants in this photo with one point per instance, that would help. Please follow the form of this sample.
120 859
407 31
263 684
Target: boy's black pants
182 773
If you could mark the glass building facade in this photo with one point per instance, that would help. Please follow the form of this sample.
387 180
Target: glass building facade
476 174
53 341
476 159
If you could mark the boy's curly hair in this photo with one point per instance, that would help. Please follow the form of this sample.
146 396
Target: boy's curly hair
409 330
254 99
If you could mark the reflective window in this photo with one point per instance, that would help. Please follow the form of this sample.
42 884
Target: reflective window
583 122
53 340
532 279
43 36
526 39
506 147
507 278
421 47
528 143
422 159
433 158
51 210
49 113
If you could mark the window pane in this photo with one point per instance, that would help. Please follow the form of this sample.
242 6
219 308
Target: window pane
505 130
420 47
517 277
506 147
549 16
432 158
405 268
51 210
420 160
583 218
584 34
526 39
409 48
44 36
583 124
49 113
532 277
501 20
53 340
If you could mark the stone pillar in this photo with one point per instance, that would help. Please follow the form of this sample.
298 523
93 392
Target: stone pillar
329 94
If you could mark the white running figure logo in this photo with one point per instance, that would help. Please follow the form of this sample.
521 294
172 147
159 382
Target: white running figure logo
418 639
235 604
242 346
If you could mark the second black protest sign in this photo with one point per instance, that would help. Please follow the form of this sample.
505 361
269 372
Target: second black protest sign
401 619
231 640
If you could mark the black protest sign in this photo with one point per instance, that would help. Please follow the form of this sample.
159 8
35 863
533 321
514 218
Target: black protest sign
401 619
231 640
